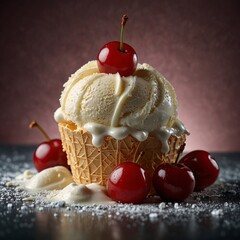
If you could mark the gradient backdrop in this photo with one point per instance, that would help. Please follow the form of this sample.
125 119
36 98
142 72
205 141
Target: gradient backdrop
195 44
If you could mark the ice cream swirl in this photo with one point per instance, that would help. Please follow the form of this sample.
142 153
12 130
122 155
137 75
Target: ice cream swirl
108 104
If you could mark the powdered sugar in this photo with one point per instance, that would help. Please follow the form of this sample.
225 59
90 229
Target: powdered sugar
218 205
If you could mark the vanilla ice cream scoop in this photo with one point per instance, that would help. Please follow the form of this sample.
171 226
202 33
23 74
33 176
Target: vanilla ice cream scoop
108 104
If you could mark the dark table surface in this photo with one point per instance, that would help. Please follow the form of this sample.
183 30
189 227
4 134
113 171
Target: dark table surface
211 214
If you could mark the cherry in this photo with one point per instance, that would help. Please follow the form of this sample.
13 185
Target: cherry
205 169
173 181
117 56
49 153
128 183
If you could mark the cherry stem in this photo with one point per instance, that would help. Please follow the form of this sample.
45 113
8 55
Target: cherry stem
124 20
180 152
139 156
35 124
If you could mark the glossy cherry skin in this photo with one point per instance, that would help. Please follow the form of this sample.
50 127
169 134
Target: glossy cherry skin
49 154
173 182
205 169
111 60
128 183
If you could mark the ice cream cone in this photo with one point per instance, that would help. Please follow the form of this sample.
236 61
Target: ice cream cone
90 164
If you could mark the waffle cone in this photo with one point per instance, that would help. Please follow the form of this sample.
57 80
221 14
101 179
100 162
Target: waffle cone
90 164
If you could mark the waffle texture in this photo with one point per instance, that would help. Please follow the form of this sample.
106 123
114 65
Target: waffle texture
90 164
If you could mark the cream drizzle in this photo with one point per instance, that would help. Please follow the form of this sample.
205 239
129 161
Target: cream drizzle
99 131
118 108
119 85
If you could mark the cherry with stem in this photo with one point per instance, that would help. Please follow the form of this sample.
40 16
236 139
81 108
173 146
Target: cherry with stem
48 153
117 56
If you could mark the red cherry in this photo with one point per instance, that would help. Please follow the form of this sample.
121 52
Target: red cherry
205 169
111 59
117 56
49 153
173 182
128 183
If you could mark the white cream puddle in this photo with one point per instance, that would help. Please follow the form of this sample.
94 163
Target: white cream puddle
54 178
56 184
82 194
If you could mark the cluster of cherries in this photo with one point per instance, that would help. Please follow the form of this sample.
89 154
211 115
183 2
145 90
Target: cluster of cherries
130 183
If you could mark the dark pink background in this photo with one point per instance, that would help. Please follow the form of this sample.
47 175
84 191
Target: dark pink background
195 44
